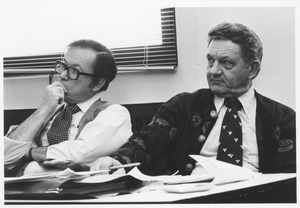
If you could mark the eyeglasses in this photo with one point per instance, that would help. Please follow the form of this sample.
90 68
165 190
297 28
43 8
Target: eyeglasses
72 72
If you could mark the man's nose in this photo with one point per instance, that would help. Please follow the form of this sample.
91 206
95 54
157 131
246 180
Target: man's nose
64 75
215 68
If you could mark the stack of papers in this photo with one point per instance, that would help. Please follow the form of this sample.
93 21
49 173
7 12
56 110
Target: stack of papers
214 173
67 173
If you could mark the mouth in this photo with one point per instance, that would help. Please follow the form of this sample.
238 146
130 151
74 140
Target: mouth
215 80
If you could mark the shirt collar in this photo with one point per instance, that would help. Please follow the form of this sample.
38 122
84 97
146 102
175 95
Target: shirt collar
247 100
84 106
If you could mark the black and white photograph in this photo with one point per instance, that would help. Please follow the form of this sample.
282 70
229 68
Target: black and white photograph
149 103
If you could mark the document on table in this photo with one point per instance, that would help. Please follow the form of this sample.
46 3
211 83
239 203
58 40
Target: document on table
89 182
67 173
66 184
165 179
168 183
223 172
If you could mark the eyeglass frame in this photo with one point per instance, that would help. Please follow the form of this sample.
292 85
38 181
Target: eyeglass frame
67 67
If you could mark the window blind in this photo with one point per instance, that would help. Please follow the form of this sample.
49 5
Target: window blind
138 58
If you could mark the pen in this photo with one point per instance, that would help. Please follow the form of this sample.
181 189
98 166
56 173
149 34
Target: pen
124 166
86 173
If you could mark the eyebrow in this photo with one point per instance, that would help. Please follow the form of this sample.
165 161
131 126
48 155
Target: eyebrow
219 57
227 57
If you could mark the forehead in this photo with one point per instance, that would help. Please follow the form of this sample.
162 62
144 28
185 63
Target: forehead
81 57
224 48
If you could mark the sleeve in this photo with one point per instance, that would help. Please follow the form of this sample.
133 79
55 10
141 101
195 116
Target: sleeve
286 136
14 151
155 139
100 137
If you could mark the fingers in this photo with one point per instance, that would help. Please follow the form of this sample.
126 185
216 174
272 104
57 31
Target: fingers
62 164
60 85
102 164
79 167
198 170
105 163
120 171
59 91
55 94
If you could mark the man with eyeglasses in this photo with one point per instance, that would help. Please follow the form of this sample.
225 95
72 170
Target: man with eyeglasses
72 125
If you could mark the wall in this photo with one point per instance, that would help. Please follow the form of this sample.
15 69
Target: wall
275 26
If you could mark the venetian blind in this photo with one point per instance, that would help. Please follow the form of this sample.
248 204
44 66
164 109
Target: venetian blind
137 58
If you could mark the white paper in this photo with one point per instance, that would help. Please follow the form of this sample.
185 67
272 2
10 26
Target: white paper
170 179
67 173
31 177
222 171
187 188
164 179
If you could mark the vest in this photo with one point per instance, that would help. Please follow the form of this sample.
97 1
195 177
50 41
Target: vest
89 115
92 113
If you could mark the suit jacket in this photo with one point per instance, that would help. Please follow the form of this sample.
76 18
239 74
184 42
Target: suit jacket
182 124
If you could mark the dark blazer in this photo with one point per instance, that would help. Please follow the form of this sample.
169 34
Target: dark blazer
182 124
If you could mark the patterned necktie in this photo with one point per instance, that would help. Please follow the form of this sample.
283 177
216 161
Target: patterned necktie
230 143
59 130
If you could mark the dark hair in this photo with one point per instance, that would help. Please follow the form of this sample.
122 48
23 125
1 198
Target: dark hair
104 65
246 38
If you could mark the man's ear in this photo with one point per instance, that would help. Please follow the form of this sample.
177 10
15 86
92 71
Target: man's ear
99 84
254 69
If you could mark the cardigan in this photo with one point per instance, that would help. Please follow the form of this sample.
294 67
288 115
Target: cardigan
182 124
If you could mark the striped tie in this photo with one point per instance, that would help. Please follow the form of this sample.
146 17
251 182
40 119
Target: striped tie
59 130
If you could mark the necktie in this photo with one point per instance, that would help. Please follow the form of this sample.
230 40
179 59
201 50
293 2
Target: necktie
59 130
230 143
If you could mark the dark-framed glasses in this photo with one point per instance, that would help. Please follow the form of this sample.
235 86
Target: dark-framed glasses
72 72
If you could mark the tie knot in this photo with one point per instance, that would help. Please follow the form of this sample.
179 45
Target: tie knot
73 108
233 103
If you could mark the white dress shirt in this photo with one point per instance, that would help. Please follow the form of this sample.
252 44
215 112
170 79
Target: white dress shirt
247 115
101 137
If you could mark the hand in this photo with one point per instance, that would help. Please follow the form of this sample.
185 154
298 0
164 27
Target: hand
199 170
54 95
61 164
104 163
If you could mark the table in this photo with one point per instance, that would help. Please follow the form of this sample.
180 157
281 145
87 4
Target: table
262 188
